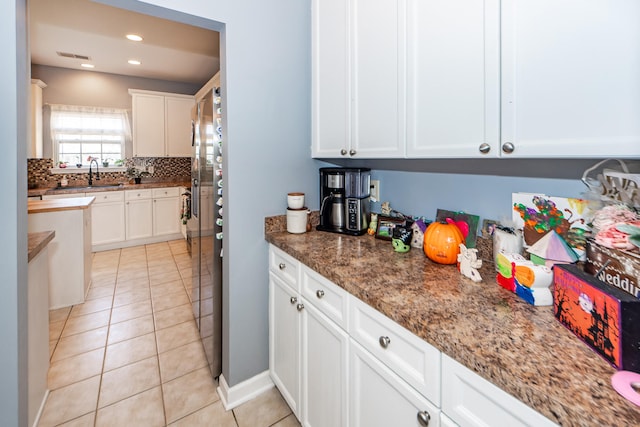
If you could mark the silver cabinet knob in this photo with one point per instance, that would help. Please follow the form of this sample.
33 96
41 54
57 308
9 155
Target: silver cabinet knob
352 152
484 148
423 418
300 307
293 300
282 266
319 293
384 342
508 147
343 152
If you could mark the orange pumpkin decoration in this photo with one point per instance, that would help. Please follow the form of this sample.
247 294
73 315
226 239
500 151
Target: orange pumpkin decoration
441 242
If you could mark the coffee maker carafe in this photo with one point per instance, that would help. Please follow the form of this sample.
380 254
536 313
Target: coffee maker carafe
344 200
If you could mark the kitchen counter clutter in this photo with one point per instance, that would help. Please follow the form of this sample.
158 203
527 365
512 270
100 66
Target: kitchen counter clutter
520 348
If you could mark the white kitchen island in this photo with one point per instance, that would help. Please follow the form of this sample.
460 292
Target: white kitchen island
70 250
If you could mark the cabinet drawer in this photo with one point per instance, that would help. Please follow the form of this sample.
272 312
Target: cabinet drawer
137 194
285 267
165 192
409 356
329 298
470 400
107 196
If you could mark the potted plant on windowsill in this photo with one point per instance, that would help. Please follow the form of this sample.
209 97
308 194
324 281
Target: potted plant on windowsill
136 174
105 163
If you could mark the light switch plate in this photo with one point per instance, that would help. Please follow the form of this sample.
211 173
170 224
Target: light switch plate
375 190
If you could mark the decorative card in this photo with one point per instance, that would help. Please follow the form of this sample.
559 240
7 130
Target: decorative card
467 223
537 214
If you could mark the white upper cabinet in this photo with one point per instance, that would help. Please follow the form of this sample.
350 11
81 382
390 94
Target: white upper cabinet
161 124
453 86
356 82
475 79
378 78
570 78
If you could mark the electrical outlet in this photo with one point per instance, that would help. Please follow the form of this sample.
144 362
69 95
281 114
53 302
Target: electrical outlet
151 170
375 190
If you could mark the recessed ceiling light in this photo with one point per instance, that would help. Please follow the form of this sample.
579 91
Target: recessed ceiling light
134 37
87 65
133 62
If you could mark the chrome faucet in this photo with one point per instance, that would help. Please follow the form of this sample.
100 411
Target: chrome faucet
91 172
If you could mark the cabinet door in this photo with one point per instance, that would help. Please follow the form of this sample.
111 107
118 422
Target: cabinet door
570 85
378 397
166 216
139 214
453 87
178 125
148 125
324 370
284 341
378 52
107 223
470 400
330 79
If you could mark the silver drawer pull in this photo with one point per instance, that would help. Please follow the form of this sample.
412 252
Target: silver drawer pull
282 266
293 300
300 307
423 418
319 293
384 342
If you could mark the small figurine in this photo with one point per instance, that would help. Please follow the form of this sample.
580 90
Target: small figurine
469 263
385 208
418 228
401 239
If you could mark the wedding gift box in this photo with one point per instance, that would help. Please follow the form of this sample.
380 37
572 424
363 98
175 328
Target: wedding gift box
603 316
622 271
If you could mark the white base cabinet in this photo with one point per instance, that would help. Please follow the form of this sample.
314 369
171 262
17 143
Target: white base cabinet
284 341
339 362
166 211
324 370
380 398
139 213
107 217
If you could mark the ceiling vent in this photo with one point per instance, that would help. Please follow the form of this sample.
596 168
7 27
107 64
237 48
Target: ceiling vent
73 55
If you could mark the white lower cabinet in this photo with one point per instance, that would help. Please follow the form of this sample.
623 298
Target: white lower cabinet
139 214
166 211
107 217
470 400
284 341
324 370
446 421
379 397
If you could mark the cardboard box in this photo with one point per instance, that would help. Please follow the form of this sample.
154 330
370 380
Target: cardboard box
623 270
603 316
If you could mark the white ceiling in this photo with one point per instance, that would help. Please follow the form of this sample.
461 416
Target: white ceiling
170 50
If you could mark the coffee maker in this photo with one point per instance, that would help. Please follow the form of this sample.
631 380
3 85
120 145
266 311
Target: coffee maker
344 200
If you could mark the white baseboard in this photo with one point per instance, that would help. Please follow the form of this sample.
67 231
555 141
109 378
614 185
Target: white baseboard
232 397
136 242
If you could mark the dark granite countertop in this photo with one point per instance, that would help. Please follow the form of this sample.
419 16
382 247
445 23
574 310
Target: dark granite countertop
114 187
520 348
38 241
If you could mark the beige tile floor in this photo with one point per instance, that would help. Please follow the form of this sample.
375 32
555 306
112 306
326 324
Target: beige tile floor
130 355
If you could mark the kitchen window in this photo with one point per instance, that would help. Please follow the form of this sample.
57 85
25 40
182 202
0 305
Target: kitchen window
79 132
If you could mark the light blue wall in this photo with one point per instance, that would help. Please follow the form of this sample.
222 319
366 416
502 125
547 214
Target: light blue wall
266 80
14 89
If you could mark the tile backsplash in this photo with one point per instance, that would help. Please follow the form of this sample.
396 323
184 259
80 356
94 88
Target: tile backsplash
164 169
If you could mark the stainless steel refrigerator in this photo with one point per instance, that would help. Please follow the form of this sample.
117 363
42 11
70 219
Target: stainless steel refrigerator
204 228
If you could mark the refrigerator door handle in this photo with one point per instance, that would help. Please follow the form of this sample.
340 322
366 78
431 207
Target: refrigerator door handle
193 133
